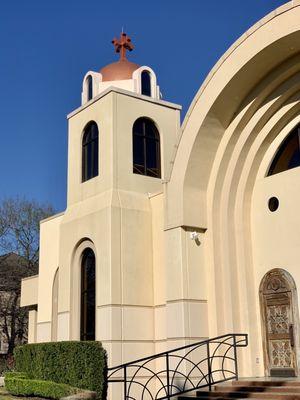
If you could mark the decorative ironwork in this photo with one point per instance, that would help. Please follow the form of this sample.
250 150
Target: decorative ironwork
180 370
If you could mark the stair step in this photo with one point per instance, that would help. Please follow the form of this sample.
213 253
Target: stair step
186 397
256 395
249 389
258 389
266 383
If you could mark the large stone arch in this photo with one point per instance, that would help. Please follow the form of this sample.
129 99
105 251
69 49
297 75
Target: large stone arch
247 100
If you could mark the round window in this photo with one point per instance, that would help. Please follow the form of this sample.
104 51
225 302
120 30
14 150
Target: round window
273 204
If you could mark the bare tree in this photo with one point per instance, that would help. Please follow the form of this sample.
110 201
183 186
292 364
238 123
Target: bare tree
19 246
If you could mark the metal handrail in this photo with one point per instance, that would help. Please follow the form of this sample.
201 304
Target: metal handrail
183 369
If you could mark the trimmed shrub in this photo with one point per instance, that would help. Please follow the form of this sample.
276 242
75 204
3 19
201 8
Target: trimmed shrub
18 384
77 364
20 375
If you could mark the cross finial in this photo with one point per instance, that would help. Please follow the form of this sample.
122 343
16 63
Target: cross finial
122 44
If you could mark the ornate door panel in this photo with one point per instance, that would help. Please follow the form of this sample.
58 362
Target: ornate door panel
278 320
279 336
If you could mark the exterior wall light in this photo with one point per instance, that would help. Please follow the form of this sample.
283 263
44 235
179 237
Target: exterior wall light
194 235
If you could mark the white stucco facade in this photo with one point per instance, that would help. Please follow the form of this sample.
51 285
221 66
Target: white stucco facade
156 287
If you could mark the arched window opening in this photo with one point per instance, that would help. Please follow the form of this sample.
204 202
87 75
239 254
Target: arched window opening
288 154
146 83
88 295
146 148
90 144
89 84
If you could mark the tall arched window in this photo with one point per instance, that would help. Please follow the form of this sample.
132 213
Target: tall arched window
89 87
90 144
146 148
288 154
146 83
88 295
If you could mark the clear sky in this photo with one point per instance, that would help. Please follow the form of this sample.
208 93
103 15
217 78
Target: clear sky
46 47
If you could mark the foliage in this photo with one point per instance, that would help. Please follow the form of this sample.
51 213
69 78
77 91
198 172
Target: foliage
20 227
6 363
19 240
78 364
14 374
13 319
19 384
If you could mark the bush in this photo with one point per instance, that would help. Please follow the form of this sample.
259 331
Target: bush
19 384
77 364
19 375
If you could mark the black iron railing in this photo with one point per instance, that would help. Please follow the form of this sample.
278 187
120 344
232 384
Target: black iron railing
180 370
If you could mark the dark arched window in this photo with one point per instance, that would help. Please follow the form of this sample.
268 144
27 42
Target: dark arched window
146 83
89 86
90 145
288 154
88 296
146 148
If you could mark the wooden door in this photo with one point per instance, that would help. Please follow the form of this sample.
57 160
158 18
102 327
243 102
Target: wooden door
279 330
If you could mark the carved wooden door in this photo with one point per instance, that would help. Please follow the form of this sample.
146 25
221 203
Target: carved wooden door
279 326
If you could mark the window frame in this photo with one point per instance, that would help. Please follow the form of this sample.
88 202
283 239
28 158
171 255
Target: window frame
144 169
146 87
90 152
286 146
89 88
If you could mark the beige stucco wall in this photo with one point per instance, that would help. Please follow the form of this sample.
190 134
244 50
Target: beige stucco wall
275 235
29 291
48 264
276 239
32 326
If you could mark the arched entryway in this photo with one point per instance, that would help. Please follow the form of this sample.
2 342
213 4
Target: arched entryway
279 314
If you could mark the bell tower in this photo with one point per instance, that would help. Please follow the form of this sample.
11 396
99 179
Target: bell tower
124 134
121 143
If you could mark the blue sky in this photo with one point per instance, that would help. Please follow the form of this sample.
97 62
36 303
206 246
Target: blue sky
46 47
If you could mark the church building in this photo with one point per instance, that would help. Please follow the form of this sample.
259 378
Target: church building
175 233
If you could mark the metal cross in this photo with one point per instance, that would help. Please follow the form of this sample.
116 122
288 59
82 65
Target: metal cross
122 44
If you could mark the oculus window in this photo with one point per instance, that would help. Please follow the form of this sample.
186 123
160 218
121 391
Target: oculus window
90 157
146 148
146 83
288 154
88 296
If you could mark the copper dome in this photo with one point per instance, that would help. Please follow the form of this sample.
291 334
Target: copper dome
120 70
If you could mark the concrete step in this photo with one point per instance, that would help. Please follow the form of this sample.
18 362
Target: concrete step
183 397
265 383
250 389
266 389
274 395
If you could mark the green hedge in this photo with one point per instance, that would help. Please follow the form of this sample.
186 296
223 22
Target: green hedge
18 384
77 364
